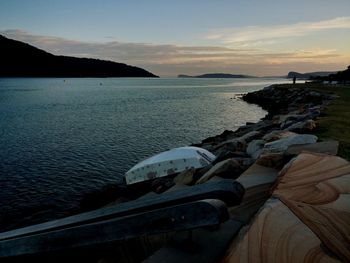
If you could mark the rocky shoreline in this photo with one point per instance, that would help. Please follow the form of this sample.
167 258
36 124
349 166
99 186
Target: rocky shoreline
290 195
272 142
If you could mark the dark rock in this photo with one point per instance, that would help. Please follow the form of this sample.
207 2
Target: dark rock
229 168
282 145
273 160
302 126
226 154
277 135
255 147
327 147
185 177
162 184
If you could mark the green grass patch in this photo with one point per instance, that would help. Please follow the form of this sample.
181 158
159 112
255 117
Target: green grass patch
334 122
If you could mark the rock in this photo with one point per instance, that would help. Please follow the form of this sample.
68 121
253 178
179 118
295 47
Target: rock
224 154
257 175
200 172
254 148
316 188
282 145
162 184
219 138
277 134
273 160
292 117
302 126
251 136
185 177
328 147
276 234
244 162
226 168
236 144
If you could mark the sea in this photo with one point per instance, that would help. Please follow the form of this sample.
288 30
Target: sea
63 138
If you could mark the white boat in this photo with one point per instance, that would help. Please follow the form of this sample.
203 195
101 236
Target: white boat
169 162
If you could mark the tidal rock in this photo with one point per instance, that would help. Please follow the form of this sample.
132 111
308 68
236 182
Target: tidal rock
227 168
282 145
277 134
251 136
236 144
292 117
327 147
185 177
162 184
273 160
302 126
255 147
223 154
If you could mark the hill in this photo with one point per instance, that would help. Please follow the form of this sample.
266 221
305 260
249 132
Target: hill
215 75
19 59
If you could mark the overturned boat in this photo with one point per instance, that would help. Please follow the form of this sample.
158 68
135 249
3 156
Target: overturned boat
169 162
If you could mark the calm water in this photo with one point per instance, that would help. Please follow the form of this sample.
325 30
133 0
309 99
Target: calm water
62 138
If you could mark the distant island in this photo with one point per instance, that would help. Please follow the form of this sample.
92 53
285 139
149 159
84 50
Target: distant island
19 59
309 75
216 75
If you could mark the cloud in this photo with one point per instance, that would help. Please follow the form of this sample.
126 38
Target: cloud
264 35
170 60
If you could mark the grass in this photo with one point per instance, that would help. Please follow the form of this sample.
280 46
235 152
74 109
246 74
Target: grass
334 122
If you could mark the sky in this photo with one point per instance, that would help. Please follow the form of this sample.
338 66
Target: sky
253 37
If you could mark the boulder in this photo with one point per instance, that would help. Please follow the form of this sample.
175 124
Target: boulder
236 144
224 154
327 147
162 184
282 145
254 148
251 136
290 119
185 177
272 160
226 168
277 134
302 126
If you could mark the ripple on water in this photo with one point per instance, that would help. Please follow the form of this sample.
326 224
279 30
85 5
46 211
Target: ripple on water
62 140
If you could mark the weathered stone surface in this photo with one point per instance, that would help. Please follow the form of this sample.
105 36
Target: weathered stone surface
277 134
254 148
162 184
276 235
233 145
223 154
302 126
327 147
273 160
282 145
227 168
257 175
248 137
316 188
185 177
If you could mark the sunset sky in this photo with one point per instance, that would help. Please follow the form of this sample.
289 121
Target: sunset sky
254 37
